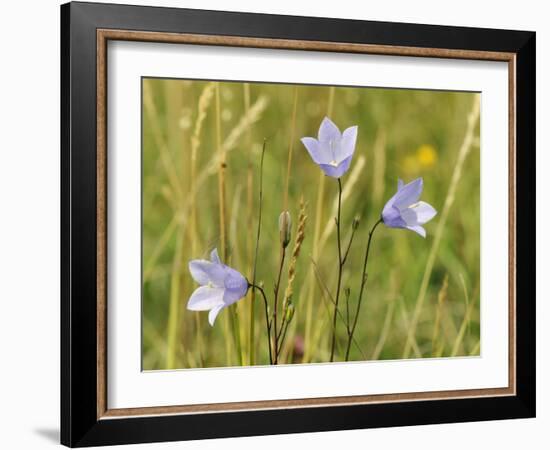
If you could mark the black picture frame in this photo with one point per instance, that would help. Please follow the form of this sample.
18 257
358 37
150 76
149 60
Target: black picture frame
80 425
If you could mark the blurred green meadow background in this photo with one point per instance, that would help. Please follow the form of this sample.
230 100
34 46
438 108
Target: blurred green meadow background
422 295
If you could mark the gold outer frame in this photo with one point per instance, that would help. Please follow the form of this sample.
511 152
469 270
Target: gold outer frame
103 36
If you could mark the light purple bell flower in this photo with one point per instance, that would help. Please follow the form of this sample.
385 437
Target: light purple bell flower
221 286
404 210
332 151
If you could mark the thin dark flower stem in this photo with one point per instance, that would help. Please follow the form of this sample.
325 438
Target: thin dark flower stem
267 321
280 332
347 314
259 215
283 321
253 284
275 304
328 294
362 289
281 326
284 327
346 253
340 267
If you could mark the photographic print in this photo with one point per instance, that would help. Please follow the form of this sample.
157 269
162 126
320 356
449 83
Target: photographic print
318 213
290 224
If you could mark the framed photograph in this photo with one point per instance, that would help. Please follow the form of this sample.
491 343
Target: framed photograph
276 224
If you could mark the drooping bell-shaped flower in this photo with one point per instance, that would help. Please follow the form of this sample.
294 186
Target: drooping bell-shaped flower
332 151
220 286
404 210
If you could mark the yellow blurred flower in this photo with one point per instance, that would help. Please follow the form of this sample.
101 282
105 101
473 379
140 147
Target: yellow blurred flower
424 158
426 155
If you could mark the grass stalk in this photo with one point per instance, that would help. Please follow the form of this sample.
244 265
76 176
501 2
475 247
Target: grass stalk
156 360
378 167
253 284
441 298
462 331
174 306
229 329
466 301
407 322
463 152
278 332
237 261
149 266
249 228
290 148
475 349
315 251
165 156
298 240
385 331
221 179
204 102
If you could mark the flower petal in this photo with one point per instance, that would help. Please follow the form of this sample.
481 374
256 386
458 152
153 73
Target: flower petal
336 171
418 213
391 216
389 204
328 131
214 256
409 216
230 296
418 229
409 194
204 272
214 313
236 287
315 150
199 269
205 298
329 152
424 212
347 145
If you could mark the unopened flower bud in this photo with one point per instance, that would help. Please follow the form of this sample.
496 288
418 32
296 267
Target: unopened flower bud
355 223
287 301
289 312
285 226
